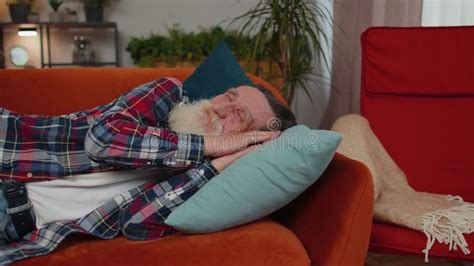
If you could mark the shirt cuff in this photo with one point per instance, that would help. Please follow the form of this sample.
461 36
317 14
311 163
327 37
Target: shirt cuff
190 150
202 174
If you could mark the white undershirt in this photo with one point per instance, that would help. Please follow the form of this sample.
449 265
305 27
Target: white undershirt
75 196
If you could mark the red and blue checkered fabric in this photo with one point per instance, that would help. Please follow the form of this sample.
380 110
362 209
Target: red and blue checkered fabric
139 214
130 132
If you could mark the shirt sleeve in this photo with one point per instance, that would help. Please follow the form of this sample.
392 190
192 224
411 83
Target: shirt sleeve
144 217
131 131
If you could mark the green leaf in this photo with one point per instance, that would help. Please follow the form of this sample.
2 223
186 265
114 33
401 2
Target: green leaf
290 33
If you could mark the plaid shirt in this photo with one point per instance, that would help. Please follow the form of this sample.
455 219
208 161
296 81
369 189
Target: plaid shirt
130 132
139 214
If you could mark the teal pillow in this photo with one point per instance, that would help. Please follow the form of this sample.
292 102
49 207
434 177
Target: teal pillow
219 72
259 183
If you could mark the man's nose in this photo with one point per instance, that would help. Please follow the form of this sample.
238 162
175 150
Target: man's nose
223 109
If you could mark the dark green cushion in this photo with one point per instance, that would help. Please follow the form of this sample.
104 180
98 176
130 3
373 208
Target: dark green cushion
219 72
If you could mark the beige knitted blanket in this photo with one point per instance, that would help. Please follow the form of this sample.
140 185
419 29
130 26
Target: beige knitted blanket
444 218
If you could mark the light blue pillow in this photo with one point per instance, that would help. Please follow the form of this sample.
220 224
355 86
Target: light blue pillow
259 183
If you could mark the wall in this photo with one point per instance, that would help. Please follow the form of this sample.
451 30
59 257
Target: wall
311 112
141 17
447 13
352 19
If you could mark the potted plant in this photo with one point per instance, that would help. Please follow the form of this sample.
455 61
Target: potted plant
19 9
290 34
94 9
183 49
187 49
55 16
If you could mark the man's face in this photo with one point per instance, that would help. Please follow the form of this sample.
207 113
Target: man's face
237 110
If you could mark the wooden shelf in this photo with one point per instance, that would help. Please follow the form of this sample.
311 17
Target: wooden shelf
44 28
61 24
84 64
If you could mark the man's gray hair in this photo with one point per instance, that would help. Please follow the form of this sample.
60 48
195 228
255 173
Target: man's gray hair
284 117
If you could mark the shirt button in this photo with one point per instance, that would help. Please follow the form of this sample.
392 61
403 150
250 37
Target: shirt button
29 175
201 172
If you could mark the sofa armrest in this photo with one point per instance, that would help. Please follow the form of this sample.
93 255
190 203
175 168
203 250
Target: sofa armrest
333 217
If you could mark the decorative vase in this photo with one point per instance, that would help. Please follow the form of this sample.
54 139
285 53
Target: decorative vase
94 13
55 17
19 12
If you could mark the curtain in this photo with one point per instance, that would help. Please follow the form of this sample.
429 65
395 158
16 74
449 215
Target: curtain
351 19
447 13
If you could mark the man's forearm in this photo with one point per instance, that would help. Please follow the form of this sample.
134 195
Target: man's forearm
129 132
143 147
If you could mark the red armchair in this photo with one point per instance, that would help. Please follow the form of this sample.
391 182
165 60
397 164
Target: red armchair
417 91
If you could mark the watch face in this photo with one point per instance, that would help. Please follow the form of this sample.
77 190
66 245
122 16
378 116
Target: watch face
19 56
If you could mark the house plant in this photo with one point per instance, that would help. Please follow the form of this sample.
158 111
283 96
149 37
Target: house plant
55 16
94 9
19 9
187 49
290 34
180 49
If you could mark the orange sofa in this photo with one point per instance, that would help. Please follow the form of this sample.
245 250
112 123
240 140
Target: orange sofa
329 224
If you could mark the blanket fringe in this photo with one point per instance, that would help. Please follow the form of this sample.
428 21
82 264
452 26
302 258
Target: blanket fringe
457 220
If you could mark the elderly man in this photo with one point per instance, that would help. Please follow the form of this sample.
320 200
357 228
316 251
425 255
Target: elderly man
130 162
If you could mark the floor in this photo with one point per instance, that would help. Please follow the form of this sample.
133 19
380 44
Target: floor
388 260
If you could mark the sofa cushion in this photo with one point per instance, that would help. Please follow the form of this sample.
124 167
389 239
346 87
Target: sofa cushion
264 242
66 90
219 72
392 239
425 61
409 79
258 183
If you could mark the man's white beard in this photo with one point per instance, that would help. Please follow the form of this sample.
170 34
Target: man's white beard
195 118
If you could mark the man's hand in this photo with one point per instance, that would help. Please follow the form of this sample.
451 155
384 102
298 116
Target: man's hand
216 146
222 162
